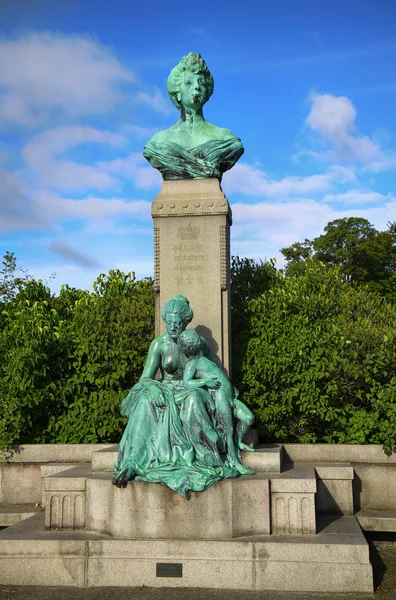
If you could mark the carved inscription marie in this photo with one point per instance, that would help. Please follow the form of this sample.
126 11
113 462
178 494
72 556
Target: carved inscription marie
189 255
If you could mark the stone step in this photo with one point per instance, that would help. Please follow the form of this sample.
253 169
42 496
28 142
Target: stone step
9 515
266 459
377 520
295 478
103 460
336 560
73 479
334 488
53 468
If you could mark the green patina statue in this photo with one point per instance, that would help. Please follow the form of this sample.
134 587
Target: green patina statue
192 148
184 430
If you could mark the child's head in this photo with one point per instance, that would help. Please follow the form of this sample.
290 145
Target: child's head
190 343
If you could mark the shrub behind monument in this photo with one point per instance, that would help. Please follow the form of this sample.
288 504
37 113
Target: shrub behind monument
67 361
320 363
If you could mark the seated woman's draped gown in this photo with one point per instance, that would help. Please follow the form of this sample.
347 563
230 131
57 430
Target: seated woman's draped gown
171 437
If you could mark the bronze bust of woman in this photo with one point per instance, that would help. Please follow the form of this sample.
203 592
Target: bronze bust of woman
192 148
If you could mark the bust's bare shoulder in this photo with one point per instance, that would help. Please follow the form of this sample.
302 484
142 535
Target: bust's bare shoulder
220 133
163 136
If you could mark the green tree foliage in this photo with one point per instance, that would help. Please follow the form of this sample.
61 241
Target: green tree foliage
67 361
9 281
321 361
111 331
363 254
313 355
249 279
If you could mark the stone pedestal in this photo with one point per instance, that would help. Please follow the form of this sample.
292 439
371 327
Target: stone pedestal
192 221
293 501
231 508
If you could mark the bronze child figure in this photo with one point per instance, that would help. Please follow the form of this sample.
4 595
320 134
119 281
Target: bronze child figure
202 372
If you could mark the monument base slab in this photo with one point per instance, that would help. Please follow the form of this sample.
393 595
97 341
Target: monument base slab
335 560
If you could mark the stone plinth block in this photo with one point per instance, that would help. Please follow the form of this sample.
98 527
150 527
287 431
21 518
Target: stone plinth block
20 483
65 510
104 460
266 459
192 221
9 515
230 508
334 489
293 501
64 499
293 513
377 520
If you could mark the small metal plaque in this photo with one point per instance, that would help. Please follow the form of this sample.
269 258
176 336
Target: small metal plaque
169 570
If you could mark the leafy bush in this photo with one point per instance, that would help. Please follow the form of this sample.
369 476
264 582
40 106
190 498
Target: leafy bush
249 279
67 361
321 361
111 331
313 355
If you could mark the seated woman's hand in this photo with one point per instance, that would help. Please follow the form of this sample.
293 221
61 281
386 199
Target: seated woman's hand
157 397
212 383
159 402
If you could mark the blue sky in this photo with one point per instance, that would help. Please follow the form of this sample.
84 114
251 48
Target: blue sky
310 87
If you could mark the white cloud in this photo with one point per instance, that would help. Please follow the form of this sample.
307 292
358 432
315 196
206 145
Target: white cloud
134 167
41 152
47 75
260 230
141 132
157 101
89 208
302 210
357 197
385 162
334 119
252 181
113 226
82 277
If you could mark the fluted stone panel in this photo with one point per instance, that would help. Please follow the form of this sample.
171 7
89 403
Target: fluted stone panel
64 499
65 510
293 513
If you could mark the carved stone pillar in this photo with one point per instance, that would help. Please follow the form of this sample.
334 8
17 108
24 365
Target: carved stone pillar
192 220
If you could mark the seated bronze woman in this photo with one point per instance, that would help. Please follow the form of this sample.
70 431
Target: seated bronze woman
171 436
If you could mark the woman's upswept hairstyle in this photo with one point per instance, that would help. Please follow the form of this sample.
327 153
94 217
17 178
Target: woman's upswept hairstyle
178 305
192 63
